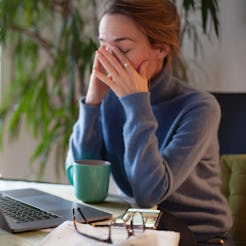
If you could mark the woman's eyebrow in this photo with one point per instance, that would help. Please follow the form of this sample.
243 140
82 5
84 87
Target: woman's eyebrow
117 40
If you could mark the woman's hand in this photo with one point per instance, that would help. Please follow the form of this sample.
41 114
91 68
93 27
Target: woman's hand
122 77
97 90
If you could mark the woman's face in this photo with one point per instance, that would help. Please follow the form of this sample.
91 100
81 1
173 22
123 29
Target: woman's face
122 32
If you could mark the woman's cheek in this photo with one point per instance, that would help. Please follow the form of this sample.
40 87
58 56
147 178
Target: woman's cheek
136 63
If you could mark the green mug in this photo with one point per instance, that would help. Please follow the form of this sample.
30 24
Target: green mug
90 179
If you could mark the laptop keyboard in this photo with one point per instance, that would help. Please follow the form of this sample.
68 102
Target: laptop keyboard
21 212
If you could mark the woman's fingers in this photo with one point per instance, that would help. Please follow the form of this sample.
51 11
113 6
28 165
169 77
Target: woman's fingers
102 77
143 70
121 76
97 90
121 58
110 63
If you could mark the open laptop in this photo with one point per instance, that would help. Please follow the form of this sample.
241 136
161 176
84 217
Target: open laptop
39 210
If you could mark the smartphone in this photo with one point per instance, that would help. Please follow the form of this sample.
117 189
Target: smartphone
151 216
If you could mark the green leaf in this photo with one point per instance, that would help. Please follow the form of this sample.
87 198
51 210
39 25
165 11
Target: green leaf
205 6
1 133
214 9
210 7
188 4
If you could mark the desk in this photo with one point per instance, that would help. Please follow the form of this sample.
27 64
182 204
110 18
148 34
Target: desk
113 204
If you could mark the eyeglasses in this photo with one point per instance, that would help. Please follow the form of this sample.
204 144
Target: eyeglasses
132 227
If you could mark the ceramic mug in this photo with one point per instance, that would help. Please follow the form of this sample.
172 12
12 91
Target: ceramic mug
90 179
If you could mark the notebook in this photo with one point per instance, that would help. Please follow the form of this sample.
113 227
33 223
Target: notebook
31 209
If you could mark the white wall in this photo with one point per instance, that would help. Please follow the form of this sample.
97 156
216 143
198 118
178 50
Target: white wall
224 60
224 63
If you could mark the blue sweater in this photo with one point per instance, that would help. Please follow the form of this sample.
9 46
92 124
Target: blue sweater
163 148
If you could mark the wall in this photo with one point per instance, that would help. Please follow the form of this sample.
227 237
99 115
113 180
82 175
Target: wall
223 66
223 69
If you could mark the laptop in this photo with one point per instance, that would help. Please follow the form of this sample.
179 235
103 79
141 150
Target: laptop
31 209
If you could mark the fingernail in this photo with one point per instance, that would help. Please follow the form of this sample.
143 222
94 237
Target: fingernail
109 49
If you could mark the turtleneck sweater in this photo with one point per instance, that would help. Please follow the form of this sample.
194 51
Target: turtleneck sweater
164 150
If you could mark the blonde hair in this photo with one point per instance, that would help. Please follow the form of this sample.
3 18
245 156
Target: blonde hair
158 19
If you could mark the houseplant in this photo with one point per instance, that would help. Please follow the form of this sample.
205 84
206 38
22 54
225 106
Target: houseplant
52 55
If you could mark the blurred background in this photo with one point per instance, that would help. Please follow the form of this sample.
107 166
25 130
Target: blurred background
219 66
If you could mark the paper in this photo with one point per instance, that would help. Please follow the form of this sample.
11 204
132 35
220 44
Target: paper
65 234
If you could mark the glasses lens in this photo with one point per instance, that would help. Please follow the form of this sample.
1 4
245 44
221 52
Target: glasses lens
119 231
138 223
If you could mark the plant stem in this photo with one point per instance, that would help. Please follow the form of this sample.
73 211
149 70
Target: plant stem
46 45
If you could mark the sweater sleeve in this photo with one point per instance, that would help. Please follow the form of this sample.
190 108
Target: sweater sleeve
155 172
85 141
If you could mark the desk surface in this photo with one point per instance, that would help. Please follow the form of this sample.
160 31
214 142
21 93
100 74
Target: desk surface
113 204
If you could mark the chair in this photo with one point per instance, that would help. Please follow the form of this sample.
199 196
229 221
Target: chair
233 174
232 139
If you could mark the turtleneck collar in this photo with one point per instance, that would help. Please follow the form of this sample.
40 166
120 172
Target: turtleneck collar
162 87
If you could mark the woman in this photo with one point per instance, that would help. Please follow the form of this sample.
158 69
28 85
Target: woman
159 134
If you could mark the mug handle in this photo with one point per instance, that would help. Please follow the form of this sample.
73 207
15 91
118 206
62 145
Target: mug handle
70 174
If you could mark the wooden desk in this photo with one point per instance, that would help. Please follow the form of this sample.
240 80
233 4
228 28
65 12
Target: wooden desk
113 204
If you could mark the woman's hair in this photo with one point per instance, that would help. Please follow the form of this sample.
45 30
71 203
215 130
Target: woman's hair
158 19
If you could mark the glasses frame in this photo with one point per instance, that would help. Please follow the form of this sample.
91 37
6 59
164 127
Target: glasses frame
129 228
